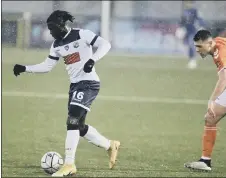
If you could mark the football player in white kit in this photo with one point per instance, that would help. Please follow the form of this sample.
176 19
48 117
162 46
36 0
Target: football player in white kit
75 47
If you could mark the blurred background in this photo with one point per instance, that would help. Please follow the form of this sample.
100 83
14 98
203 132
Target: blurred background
149 99
131 26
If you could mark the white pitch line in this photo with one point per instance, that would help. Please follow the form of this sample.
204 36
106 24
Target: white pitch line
135 99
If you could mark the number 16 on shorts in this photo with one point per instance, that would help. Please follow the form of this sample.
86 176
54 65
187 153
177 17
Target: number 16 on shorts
78 96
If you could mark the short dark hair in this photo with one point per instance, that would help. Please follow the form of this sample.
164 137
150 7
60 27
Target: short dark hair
202 35
60 17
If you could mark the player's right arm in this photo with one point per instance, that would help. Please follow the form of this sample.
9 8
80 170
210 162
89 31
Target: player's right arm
43 67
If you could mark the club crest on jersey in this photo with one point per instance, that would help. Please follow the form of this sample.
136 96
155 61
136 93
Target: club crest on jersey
76 44
66 47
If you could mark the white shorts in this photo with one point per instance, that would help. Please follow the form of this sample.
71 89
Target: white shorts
221 100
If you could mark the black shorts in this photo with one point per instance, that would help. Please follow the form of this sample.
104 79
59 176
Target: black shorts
83 93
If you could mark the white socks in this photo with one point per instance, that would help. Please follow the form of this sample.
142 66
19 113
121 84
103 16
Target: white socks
71 144
72 139
206 158
93 136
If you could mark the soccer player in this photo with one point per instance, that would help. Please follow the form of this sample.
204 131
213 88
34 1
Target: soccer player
188 22
75 47
216 47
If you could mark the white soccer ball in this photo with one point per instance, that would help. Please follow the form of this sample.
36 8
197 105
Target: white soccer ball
51 162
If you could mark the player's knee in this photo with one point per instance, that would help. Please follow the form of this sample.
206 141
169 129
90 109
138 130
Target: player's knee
72 123
83 130
209 120
75 117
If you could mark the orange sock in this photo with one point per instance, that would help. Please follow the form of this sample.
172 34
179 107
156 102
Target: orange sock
208 141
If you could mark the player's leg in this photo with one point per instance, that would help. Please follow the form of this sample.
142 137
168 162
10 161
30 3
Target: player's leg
93 136
72 139
209 135
75 113
192 64
91 90
210 129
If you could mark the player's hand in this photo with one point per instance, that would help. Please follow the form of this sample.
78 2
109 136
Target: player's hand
89 66
18 69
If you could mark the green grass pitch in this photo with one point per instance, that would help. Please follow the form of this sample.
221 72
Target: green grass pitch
154 106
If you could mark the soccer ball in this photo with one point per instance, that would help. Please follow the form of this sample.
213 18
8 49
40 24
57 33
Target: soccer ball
51 162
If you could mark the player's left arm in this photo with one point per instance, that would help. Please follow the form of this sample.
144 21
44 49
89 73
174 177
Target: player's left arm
102 45
220 86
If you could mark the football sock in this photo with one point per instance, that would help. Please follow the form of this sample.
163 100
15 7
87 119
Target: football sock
71 144
207 161
93 136
209 137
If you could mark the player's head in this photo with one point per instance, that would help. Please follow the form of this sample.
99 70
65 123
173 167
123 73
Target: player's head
203 42
56 23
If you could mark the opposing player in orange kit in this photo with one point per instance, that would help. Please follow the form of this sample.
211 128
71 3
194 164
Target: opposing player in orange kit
216 47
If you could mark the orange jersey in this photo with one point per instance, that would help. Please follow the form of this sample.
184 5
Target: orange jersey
219 55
